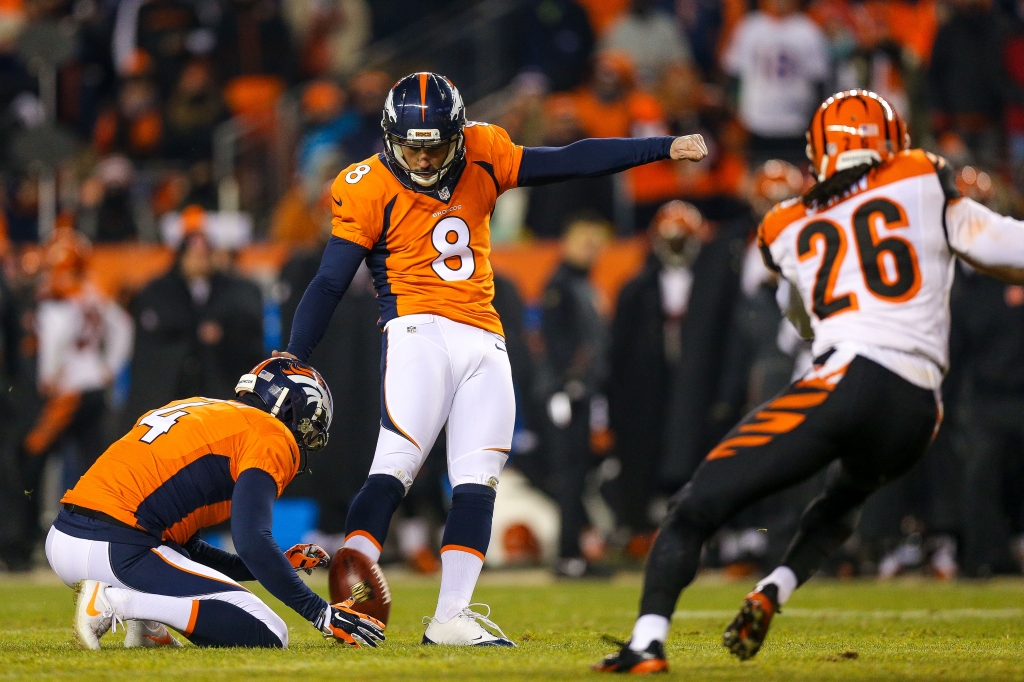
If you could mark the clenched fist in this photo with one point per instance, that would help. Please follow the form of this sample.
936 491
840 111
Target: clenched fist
688 148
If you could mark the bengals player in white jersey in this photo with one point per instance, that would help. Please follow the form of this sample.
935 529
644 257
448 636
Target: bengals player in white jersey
870 249
419 216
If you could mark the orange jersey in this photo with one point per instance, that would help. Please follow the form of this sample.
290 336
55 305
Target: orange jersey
174 473
429 253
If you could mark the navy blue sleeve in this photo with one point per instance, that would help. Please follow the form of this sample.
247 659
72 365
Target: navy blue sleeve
338 266
252 514
589 158
227 563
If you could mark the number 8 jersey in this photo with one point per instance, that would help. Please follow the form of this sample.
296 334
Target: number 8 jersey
874 266
429 251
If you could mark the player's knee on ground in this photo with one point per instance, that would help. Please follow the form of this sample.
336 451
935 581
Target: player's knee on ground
236 619
469 521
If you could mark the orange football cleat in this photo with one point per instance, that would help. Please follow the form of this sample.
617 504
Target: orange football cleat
745 635
625 660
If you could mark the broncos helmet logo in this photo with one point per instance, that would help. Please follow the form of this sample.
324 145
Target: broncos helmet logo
316 393
389 107
457 106
294 393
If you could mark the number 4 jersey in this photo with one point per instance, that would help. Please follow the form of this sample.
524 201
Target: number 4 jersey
175 472
874 267
429 250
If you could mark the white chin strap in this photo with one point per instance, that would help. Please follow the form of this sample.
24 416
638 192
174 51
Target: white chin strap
850 159
425 179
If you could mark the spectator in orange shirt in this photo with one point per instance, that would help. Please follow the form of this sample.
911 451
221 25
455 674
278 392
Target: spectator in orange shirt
682 94
611 105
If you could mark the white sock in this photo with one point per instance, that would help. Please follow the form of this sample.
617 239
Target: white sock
363 544
173 611
459 573
648 629
783 578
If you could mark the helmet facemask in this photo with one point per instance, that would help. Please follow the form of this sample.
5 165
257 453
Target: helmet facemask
427 178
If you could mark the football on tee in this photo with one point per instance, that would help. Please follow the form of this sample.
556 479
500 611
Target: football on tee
353 575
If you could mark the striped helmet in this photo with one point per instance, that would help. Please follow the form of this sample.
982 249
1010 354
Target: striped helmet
296 394
853 128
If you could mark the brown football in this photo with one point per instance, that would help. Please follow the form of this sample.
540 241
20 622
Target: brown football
353 575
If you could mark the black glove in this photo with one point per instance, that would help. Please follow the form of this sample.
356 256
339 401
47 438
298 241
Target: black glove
351 627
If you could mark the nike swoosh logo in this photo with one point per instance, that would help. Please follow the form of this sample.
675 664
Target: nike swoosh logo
90 608
336 201
163 641
500 348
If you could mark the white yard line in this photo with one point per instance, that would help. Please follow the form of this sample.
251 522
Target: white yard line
855 614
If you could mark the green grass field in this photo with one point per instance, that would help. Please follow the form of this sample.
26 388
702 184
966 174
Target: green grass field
903 630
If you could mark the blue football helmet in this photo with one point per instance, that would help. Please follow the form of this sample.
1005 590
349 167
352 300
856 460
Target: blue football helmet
296 394
424 110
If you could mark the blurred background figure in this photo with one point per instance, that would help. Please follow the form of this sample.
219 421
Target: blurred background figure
985 396
779 60
668 341
559 42
652 39
194 108
107 213
85 340
575 367
13 369
645 358
968 81
197 328
550 206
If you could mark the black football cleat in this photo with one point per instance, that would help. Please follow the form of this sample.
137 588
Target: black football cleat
625 660
745 635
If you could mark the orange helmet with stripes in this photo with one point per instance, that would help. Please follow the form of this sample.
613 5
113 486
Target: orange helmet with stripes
852 128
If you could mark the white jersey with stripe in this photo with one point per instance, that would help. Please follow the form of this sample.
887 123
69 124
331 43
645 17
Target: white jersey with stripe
874 267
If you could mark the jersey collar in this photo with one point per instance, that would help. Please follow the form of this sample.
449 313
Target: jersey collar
442 191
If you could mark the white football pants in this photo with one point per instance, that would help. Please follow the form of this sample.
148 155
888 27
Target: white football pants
74 559
436 371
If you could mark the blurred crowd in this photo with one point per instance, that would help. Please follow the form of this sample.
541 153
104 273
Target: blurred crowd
207 125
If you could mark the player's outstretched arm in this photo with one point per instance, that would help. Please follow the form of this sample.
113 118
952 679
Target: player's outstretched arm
987 241
595 157
338 266
252 516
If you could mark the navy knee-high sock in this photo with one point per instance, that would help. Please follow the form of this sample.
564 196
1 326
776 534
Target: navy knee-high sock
466 536
369 515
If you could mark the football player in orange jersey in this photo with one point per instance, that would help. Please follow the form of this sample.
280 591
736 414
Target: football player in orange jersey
418 214
869 249
127 539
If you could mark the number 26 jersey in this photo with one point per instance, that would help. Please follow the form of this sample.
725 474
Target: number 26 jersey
429 251
873 266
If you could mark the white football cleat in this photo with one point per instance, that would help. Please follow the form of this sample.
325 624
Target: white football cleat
148 633
465 629
93 613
